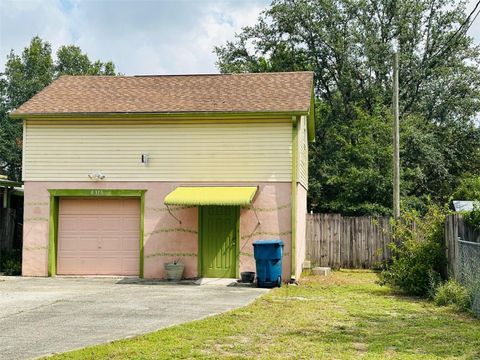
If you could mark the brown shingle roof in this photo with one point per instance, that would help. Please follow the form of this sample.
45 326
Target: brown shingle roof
263 92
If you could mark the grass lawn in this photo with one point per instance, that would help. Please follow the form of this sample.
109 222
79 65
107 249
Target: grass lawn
344 316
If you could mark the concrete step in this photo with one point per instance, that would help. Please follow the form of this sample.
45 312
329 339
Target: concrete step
322 271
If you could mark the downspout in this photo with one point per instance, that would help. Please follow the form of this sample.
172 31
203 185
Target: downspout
294 195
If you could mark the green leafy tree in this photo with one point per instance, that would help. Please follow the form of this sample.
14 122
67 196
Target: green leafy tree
10 145
468 189
349 46
71 61
26 75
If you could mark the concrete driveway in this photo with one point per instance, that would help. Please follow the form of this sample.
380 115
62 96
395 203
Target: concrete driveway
41 316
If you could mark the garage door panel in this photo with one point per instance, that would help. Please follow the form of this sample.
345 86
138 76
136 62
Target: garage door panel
130 207
130 266
98 236
78 223
89 263
75 206
125 242
68 222
83 206
110 223
76 242
73 265
131 223
129 244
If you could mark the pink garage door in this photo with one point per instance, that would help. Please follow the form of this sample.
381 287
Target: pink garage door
98 236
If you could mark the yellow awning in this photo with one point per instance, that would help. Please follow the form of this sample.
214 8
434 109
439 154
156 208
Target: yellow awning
211 195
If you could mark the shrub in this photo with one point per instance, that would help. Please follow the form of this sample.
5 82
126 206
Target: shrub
454 294
12 267
11 263
417 252
472 218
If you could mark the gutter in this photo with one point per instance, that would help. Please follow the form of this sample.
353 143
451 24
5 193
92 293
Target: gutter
115 115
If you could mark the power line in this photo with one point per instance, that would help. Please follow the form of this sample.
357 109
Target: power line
473 20
434 58
467 21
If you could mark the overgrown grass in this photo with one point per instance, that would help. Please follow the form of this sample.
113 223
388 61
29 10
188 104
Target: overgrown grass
344 316
451 293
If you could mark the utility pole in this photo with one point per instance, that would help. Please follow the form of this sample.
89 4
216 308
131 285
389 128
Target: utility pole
396 141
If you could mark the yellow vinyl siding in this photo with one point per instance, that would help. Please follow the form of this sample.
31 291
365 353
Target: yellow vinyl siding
206 151
303 152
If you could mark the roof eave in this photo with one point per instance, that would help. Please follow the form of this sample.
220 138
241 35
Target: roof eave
40 116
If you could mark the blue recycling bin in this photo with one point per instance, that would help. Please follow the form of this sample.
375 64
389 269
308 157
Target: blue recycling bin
268 258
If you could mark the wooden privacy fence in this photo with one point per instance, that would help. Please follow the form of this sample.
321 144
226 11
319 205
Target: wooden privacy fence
347 242
7 229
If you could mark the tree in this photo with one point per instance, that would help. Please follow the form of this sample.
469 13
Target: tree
71 61
10 146
348 45
25 76
469 189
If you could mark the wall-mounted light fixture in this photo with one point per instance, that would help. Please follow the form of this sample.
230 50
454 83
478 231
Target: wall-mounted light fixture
145 159
96 176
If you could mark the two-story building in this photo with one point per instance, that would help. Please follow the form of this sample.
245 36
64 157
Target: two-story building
123 174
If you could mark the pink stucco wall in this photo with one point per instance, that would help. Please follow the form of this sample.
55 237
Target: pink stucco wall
35 230
165 239
300 238
272 205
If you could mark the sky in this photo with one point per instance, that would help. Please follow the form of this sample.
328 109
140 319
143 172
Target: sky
139 36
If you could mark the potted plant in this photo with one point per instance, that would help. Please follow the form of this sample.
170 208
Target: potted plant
174 270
